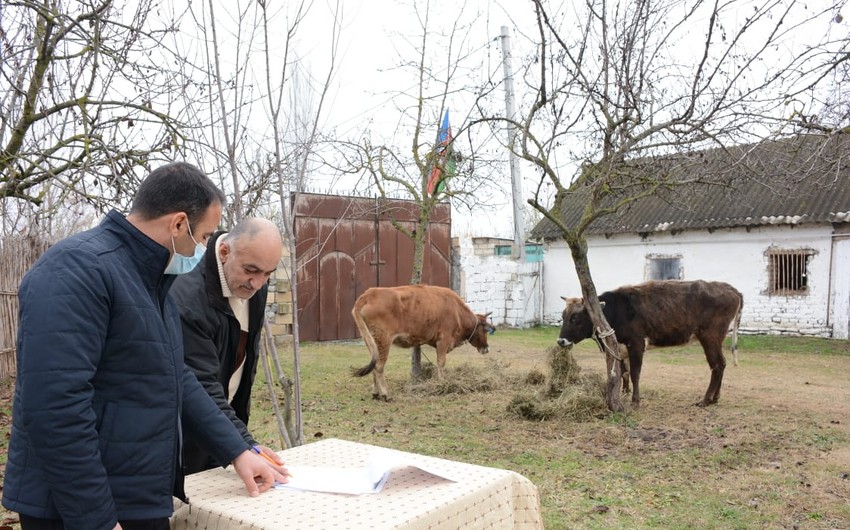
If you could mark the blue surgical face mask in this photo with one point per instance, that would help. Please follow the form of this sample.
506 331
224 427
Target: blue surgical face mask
181 264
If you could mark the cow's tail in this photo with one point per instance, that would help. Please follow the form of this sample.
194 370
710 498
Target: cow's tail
370 343
736 324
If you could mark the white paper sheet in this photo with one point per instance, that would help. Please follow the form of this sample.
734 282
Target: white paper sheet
353 481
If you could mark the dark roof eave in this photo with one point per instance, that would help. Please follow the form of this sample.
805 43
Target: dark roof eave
792 221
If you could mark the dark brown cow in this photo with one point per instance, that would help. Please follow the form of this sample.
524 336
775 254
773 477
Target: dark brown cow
413 315
664 313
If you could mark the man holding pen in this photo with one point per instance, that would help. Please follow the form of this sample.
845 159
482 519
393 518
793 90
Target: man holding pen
102 389
222 306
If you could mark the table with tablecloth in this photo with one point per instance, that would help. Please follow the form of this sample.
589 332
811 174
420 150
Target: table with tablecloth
480 497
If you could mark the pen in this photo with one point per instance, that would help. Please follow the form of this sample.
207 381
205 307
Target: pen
264 455
267 457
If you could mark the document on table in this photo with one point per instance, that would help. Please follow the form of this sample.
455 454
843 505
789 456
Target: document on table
354 481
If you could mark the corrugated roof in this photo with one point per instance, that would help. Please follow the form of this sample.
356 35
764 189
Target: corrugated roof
799 180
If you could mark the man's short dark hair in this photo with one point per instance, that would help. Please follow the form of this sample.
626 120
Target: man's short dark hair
176 187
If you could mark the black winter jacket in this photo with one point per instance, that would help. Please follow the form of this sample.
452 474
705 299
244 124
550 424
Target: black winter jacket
210 338
102 386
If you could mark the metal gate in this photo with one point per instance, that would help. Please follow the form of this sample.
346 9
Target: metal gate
345 245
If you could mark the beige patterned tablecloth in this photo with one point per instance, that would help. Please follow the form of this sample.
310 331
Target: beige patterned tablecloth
484 497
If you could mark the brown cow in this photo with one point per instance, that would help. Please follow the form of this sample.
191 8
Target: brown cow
664 313
412 315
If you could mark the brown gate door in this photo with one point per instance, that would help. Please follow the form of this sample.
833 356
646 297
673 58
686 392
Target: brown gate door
344 245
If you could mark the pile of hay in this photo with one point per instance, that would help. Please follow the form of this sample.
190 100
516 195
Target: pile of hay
463 379
569 394
564 393
565 370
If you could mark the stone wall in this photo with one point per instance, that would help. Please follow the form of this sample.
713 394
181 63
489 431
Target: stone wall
279 304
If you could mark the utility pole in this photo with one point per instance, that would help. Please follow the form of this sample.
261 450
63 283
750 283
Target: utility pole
516 179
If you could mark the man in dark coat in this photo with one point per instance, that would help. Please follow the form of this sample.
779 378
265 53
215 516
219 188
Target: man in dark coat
222 309
102 389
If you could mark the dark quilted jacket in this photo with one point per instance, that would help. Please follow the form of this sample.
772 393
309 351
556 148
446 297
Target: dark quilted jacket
101 380
210 338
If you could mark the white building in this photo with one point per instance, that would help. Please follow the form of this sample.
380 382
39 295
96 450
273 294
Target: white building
782 239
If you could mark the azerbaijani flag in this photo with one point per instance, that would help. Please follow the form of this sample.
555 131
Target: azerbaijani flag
444 163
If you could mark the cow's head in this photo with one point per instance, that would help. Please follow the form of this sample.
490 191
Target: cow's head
576 324
483 327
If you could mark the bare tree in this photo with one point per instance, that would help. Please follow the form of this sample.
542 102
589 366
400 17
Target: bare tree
443 161
822 104
293 147
440 163
220 94
619 86
83 104
256 122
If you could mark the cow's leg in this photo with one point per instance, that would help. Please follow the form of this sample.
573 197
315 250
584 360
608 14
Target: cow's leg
442 350
636 349
375 392
712 345
379 387
624 367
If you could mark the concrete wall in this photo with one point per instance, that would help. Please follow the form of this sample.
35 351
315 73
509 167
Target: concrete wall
736 256
509 289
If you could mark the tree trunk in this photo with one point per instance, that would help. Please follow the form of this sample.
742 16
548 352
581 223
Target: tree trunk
416 279
418 253
416 363
610 348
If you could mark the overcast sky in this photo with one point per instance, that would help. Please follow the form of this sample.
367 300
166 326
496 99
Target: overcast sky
373 38
378 34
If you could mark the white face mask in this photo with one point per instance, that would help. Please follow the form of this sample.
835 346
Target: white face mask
181 264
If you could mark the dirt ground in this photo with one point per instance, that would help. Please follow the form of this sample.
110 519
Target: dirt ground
776 448
786 415
774 453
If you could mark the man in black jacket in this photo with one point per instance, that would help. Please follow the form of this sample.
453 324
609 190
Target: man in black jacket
222 309
102 386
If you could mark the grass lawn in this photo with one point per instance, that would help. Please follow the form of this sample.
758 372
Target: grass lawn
773 453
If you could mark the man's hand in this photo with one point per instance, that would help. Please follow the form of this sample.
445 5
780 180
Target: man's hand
270 453
257 473
272 458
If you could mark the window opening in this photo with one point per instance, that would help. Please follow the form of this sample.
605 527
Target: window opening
665 269
788 271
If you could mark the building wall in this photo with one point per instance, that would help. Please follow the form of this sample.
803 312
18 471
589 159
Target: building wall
736 256
498 284
839 316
